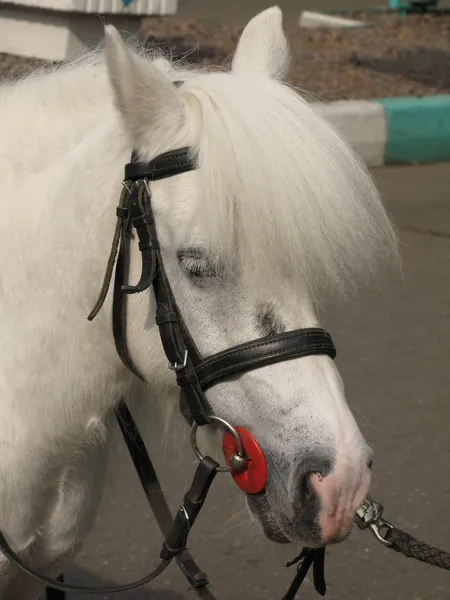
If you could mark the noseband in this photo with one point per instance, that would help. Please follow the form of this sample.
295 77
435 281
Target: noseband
194 373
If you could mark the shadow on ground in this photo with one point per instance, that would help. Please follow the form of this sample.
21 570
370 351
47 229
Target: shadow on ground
79 576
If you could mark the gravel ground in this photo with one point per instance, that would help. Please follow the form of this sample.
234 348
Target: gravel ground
398 56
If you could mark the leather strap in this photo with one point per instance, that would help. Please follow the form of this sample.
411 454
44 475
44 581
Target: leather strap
156 499
165 165
119 307
193 403
58 584
122 213
193 501
179 347
143 222
263 352
308 557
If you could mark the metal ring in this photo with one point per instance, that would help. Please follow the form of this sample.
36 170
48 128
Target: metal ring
228 427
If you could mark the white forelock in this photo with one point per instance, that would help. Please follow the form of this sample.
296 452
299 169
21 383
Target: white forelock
278 184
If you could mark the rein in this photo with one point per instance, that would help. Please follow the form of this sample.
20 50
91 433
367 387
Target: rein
194 375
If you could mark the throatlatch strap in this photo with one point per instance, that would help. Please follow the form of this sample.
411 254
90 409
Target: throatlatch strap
122 216
119 307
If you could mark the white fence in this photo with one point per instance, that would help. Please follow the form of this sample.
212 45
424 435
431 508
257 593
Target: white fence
61 29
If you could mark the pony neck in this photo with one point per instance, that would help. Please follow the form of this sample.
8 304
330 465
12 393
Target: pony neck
83 204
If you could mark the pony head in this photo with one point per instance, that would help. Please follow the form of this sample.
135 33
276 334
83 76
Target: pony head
278 213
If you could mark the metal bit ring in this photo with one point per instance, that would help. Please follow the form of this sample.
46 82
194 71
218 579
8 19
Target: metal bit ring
227 427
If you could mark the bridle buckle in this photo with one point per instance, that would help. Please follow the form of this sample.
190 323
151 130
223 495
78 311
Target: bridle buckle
179 367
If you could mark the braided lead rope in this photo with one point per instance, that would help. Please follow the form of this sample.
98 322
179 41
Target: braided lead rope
407 545
369 516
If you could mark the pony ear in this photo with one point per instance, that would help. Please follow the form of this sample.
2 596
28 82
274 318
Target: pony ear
143 94
263 48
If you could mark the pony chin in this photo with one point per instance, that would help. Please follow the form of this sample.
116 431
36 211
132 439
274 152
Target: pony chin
305 532
280 529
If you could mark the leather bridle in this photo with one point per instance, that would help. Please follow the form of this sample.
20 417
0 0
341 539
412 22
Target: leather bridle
194 374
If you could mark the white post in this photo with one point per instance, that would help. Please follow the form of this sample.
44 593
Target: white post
64 29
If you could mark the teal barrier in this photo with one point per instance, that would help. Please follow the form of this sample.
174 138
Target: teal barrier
418 129
413 6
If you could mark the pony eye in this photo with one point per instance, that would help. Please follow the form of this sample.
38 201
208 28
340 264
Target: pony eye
196 265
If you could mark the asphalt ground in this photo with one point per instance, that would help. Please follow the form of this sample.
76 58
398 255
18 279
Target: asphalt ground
393 345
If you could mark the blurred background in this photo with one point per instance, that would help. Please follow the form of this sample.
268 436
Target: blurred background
392 338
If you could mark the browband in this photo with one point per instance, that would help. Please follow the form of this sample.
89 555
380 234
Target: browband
164 165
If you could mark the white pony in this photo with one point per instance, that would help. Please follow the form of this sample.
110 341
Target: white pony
278 197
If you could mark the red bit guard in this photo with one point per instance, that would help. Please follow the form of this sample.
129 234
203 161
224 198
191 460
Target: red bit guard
253 479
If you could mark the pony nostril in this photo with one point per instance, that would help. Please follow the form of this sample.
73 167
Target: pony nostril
306 490
370 464
312 468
